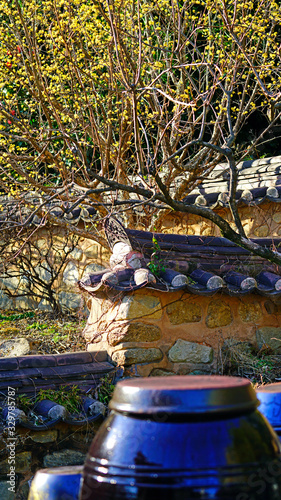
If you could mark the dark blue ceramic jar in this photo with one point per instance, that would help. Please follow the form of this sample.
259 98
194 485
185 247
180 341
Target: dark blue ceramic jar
270 404
59 483
184 438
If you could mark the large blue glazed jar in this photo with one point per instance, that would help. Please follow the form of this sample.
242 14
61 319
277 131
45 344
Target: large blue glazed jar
58 483
184 438
270 404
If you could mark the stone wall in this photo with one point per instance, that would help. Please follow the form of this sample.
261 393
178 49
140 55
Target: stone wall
63 445
259 221
154 333
87 257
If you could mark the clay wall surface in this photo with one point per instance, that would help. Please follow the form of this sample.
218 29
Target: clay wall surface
259 221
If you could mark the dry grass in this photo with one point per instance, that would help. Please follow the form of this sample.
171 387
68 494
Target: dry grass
261 366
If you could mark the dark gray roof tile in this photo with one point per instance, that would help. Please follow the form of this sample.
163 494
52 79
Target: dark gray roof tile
8 364
35 361
258 181
19 374
211 263
80 358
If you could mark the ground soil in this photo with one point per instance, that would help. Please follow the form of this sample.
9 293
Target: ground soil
46 334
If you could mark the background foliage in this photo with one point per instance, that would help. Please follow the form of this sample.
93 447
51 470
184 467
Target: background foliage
127 104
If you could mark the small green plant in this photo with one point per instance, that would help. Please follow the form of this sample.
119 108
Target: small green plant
70 398
105 390
59 337
264 365
25 403
156 265
190 281
15 317
38 326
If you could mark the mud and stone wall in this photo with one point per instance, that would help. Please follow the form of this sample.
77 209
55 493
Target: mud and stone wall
156 333
86 258
258 221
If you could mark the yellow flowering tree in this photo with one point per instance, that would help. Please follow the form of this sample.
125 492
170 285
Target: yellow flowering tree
126 104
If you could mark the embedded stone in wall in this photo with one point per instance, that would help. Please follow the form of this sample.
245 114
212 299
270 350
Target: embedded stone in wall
22 463
63 458
69 300
11 283
5 302
219 314
42 243
5 491
102 315
44 272
48 436
160 372
184 351
185 369
269 336
92 251
76 254
183 312
99 306
44 305
262 231
140 306
207 230
137 355
92 268
25 303
277 217
247 226
250 312
132 332
23 283
70 274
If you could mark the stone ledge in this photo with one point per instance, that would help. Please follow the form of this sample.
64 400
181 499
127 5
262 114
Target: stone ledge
137 355
121 332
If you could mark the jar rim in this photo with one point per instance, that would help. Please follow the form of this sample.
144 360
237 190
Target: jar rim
189 394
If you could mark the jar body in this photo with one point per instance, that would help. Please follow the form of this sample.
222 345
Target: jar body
270 404
58 483
182 458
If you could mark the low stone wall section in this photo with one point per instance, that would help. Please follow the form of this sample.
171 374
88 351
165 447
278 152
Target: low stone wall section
156 333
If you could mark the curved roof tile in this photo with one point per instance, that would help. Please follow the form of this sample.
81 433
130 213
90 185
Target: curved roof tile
258 181
210 263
